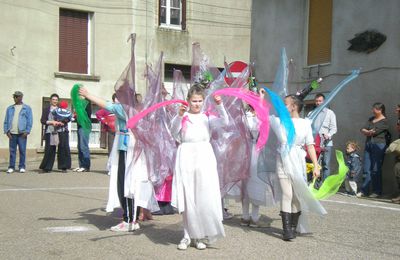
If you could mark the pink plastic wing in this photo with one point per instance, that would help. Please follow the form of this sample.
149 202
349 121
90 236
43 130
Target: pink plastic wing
259 105
150 127
231 143
135 119
125 86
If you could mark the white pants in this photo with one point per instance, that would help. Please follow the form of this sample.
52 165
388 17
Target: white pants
289 202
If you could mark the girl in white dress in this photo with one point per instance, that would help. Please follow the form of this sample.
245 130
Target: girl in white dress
291 170
253 188
195 187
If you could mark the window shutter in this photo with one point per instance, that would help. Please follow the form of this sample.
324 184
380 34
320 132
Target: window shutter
183 22
73 41
319 32
159 12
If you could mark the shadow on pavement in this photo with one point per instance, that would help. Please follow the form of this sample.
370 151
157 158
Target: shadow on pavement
96 217
264 221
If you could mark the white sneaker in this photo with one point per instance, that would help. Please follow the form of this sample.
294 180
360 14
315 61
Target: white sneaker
200 245
135 226
184 244
10 170
22 170
82 170
76 169
374 195
122 227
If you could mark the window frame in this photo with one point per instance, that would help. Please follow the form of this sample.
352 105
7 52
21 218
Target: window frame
168 7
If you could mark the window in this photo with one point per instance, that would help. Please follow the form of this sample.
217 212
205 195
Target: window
172 14
319 32
74 41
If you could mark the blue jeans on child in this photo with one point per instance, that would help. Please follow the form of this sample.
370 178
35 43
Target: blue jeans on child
17 140
373 161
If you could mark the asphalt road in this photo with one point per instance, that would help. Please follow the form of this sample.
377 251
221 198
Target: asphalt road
61 215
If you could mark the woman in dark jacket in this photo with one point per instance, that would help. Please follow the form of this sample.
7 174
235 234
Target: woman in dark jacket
375 130
56 134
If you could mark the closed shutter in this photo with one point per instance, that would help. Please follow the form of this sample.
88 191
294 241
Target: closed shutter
319 32
183 22
73 41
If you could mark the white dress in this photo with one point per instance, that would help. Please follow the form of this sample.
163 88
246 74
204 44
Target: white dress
195 187
255 188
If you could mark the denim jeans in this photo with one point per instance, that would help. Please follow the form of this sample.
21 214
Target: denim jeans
327 160
20 141
83 149
373 161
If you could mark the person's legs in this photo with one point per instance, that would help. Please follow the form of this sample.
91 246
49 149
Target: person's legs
225 214
13 151
286 208
347 185
80 154
377 156
22 150
353 186
185 241
127 205
254 213
83 147
367 170
296 212
295 203
326 163
63 152
287 194
397 173
245 208
49 155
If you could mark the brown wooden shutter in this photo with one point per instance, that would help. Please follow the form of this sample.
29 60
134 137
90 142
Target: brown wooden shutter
319 32
183 22
159 12
73 41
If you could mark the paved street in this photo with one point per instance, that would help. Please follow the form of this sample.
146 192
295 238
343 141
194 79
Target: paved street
58 215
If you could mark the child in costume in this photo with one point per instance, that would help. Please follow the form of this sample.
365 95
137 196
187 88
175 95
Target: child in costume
253 188
129 187
195 188
291 170
353 176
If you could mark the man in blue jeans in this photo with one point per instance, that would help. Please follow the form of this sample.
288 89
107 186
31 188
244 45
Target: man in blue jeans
17 126
325 126
83 144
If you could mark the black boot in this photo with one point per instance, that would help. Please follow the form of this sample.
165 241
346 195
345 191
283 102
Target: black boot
286 225
295 221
